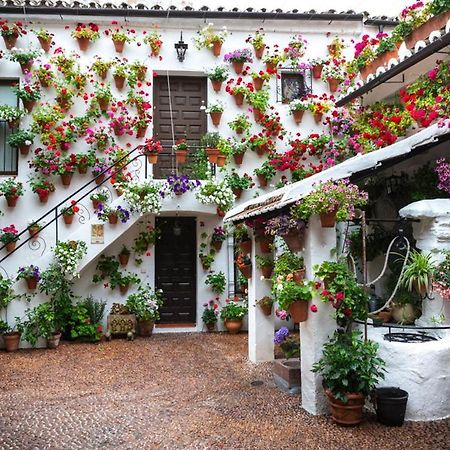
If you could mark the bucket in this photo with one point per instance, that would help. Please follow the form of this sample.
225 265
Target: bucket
390 404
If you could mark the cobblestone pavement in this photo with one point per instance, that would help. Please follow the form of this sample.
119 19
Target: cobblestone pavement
171 391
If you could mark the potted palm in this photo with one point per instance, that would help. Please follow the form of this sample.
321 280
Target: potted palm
210 313
294 297
350 369
233 314
145 304
12 189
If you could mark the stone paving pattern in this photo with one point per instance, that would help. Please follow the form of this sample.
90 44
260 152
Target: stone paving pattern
171 391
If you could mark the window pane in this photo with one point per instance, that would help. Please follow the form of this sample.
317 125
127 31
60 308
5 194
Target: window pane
8 155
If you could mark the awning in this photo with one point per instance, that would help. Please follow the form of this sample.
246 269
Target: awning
291 193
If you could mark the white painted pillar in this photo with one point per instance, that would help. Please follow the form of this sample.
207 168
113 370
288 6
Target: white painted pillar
320 326
260 327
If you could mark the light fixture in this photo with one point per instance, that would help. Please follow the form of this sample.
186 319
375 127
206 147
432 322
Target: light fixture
181 48
203 106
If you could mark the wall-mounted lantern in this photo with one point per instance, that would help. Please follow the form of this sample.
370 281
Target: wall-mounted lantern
181 48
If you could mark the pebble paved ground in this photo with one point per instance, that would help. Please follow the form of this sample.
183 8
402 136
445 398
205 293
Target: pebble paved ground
172 391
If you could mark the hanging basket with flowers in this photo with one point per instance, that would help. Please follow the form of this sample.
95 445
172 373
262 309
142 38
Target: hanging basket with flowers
155 42
85 34
9 237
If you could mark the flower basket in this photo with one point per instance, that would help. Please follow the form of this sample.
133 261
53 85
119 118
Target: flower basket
216 245
28 104
152 158
216 48
333 84
246 271
259 52
119 81
238 158
217 85
215 118
237 192
43 196
298 115
10 41
68 218
123 259
233 325
265 244
26 66
119 45
299 275
299 311
31 283
45 43
422 32
262 180
245 246
328 219
11 200
212 155
239 99
258 83
181 156
24 149
66 178
271 67
103 103
266 271
238 66
221 160
10 246
295 240
317 71
113 218
83 43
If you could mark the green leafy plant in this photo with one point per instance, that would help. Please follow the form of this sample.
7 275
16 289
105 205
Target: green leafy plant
218 73
266 171
289 292
210 140
210 313
263 261
40 321
234 309
418 272
81 326
145 303
217 282
107 265
21 137
286 263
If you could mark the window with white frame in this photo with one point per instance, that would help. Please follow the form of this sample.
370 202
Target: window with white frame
8 155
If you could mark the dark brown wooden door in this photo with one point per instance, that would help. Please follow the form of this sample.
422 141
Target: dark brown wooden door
189 121
175 268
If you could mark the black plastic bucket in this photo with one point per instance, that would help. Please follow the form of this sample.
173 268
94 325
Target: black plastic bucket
390 403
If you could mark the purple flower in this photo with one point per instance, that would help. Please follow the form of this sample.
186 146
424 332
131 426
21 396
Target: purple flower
281 335
241 55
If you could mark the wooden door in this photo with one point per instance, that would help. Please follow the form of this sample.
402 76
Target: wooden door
175 268
189 121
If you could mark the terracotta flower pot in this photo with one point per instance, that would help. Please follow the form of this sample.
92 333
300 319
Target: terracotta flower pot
245 246
181 156
83 43
34 232
237 192
68 218
328 220
259 52
295 240
13 124
348 414
103 103
118 46
298 115
11 200
155 51
215 118
124 258
238 66
270 67
258 83
221 160
31 283
99 180
140 132
233 325
332 49
113 218
123 288
10 41
212 155
239 99
53 340
238 158
239 130
266 309
28 104
10 246
82 169
216 245
24 149
265 244
63 103
145 327
119 192
246 271
261 150
317 71
96 203
220 212
298 276
216 48
26 66
261 180
66 178
318 117
43 196
152 158
210 326
299 311
217 85
119 81
266 271
103 74
12 341
333 84
421 33
45 43
258 115
141 73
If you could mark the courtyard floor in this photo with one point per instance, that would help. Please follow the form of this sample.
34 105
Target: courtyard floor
171 391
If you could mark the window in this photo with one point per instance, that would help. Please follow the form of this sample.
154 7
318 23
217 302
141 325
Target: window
8 155
293 85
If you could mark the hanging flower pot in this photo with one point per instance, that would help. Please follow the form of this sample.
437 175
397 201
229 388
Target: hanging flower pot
233 325
332 49
271 67
66 178
155 51
217 85
34 231
82 169
216 245
99 180
113 218
261 150
212 155
11 200
10 246
258 115
123 288
13 124
265 304
295 240
152 158
317 71
216 48
220 212
68 218
246 271
258 83
265 244
141 73
119 192
299 311
44 82
26 66
318 117
221 160
298 276
245 246
266 271
298 115
140 132
262 180
239 130
103 74
215 118
83 43
422 32
333 84
259 52
28 104
10 41
237 192
238 158
119 81
96 203
181 156
103 104
43 196
238 66
239 98
124 258
328 219
24 149
64 103
119 45
45 43
31 283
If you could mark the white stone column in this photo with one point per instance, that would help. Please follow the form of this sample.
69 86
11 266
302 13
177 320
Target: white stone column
260 326
320 326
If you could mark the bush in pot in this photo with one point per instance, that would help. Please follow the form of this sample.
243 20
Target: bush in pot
12 190
217 282
294 297
210 313
145 304
233 313
350 369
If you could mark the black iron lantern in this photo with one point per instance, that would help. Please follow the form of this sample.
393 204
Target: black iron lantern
181 48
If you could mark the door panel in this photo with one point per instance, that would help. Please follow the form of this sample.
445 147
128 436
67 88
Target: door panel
175 269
